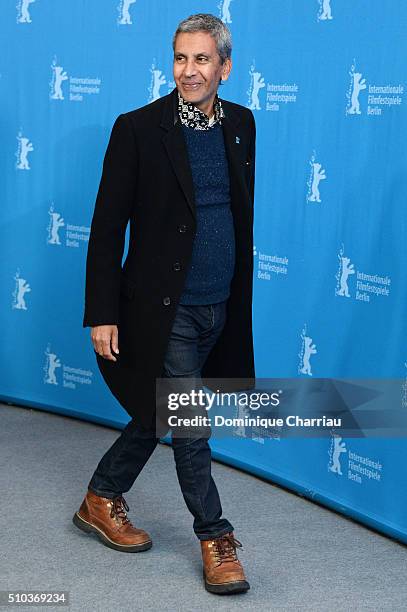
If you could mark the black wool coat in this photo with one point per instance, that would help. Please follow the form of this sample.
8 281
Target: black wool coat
147 180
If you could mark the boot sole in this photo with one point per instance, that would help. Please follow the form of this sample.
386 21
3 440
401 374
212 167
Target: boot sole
228 588
88 528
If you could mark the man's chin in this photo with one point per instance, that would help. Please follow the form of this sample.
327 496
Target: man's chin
191 96
196 97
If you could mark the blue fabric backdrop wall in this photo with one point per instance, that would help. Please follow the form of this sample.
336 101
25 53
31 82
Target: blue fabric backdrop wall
326 81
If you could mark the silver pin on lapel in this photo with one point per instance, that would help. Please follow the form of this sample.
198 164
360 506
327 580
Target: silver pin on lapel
237 139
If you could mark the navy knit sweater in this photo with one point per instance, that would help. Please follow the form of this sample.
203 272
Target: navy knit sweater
213 255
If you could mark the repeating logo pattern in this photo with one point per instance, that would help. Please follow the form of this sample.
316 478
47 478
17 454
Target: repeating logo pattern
158 79
276 94
24 147
56 372
380 98
79 87
23 11
224 11
368 286
308 348
21 288
325 10
359 469
317 174
123 9
75 235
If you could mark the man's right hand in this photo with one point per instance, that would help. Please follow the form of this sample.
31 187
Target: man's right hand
105 339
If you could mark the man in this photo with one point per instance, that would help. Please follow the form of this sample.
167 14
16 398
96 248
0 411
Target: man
181 169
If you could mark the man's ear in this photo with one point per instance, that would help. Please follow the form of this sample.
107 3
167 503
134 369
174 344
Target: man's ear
226 68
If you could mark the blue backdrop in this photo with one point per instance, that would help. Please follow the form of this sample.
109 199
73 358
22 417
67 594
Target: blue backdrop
325 80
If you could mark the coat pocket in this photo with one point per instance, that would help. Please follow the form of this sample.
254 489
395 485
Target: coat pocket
127 287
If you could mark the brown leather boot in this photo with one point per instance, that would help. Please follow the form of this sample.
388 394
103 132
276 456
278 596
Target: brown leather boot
222 570
107 518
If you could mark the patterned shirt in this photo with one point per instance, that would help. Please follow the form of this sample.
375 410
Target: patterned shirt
193 117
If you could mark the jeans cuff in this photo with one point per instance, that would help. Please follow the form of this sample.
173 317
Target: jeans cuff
107 494
206 536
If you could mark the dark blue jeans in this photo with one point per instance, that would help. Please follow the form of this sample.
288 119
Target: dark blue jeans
194 333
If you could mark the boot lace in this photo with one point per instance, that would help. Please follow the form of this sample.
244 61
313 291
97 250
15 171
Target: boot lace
225 549
119 508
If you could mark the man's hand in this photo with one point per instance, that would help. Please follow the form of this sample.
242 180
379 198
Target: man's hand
105 339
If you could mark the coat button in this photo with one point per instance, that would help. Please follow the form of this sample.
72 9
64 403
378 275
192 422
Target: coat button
166 301
177 266
182 228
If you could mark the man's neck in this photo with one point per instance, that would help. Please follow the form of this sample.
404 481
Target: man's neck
207 108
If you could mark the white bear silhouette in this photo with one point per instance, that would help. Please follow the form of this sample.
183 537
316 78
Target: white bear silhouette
53 363
339 447
240 430
346 269
125 17
56 222
317 175
226 11
25 148
258 83
358 85
25 15
158 80
60 75
22 288
309 349
326 10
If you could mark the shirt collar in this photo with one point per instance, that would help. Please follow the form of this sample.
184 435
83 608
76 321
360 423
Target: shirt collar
193 117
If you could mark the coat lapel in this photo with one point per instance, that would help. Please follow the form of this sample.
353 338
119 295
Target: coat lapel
177 151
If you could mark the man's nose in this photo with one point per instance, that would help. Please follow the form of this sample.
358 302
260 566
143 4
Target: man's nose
190 68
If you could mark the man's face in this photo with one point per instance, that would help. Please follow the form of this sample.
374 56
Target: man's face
197 68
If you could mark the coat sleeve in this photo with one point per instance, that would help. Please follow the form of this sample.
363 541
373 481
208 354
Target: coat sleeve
112 211
253 158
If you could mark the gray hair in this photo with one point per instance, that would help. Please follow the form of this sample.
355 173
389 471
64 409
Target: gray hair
205 22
